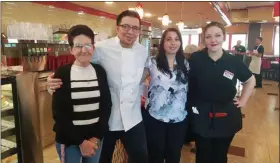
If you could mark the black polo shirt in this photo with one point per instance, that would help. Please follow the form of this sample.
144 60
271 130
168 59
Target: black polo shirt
240 48
215 81
260 49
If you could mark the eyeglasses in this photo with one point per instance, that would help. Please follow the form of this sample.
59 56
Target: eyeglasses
127 27
80 46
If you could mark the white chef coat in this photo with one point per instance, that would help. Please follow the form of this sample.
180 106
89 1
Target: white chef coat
124 68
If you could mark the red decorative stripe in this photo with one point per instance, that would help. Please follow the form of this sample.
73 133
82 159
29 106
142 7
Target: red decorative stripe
229 42
190 39
276 9
87 10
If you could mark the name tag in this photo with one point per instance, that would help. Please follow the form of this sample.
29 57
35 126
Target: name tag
228 75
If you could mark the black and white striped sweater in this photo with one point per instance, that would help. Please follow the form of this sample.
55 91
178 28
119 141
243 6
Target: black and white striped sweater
82 106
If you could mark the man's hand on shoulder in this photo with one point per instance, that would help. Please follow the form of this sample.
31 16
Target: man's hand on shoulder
53 83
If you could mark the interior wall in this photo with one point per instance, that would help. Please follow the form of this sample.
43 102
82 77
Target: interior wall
260 14
255 14
36 13
267 32
234 29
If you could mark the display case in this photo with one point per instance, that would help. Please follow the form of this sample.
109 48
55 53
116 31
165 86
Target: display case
10 121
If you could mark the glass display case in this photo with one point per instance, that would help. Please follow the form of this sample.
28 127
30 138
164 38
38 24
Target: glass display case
10 121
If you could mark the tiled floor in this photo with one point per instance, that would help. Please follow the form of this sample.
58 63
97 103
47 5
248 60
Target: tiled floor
259 136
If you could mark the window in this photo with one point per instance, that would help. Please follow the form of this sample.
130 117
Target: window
226 43
276 41
185 39
195 39
236 37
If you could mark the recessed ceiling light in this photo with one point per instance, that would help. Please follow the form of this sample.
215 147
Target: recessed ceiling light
132 9
148 14
81 13
208 22
109 2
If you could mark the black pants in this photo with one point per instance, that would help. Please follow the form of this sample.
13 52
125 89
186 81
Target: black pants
190 135
212 150
165 140
134 142
258 80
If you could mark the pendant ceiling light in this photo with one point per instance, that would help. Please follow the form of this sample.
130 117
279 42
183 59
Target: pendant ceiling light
165 18
139 9
181 24
276 11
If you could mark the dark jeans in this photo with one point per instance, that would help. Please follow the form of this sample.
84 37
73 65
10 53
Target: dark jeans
134 142
212 150
258 80
165 140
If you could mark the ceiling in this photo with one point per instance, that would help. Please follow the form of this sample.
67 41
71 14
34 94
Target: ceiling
244 5
190 12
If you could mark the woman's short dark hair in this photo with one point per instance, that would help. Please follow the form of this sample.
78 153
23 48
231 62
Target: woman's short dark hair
161 59
79 30
130 14
260 38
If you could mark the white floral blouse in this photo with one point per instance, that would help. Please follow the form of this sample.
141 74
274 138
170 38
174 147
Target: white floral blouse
167 96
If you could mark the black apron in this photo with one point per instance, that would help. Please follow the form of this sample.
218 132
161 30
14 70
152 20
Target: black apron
226 123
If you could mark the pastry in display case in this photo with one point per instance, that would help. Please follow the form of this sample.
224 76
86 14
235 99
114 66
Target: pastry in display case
10 124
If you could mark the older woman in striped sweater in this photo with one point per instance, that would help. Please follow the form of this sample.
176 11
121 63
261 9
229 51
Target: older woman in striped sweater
82 106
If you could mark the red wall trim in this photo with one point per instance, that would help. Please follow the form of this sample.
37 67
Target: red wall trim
200 39
229 41
240 9
87 10
190 39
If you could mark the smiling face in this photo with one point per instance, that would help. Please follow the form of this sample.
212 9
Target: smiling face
82 49
128 30
258 41
214 38
172 43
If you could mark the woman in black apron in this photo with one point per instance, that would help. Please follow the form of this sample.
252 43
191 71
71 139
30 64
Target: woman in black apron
215 112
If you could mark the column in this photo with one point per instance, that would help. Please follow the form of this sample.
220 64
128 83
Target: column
254 31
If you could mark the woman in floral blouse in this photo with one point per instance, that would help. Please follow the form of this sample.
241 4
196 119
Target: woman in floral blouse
165 114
